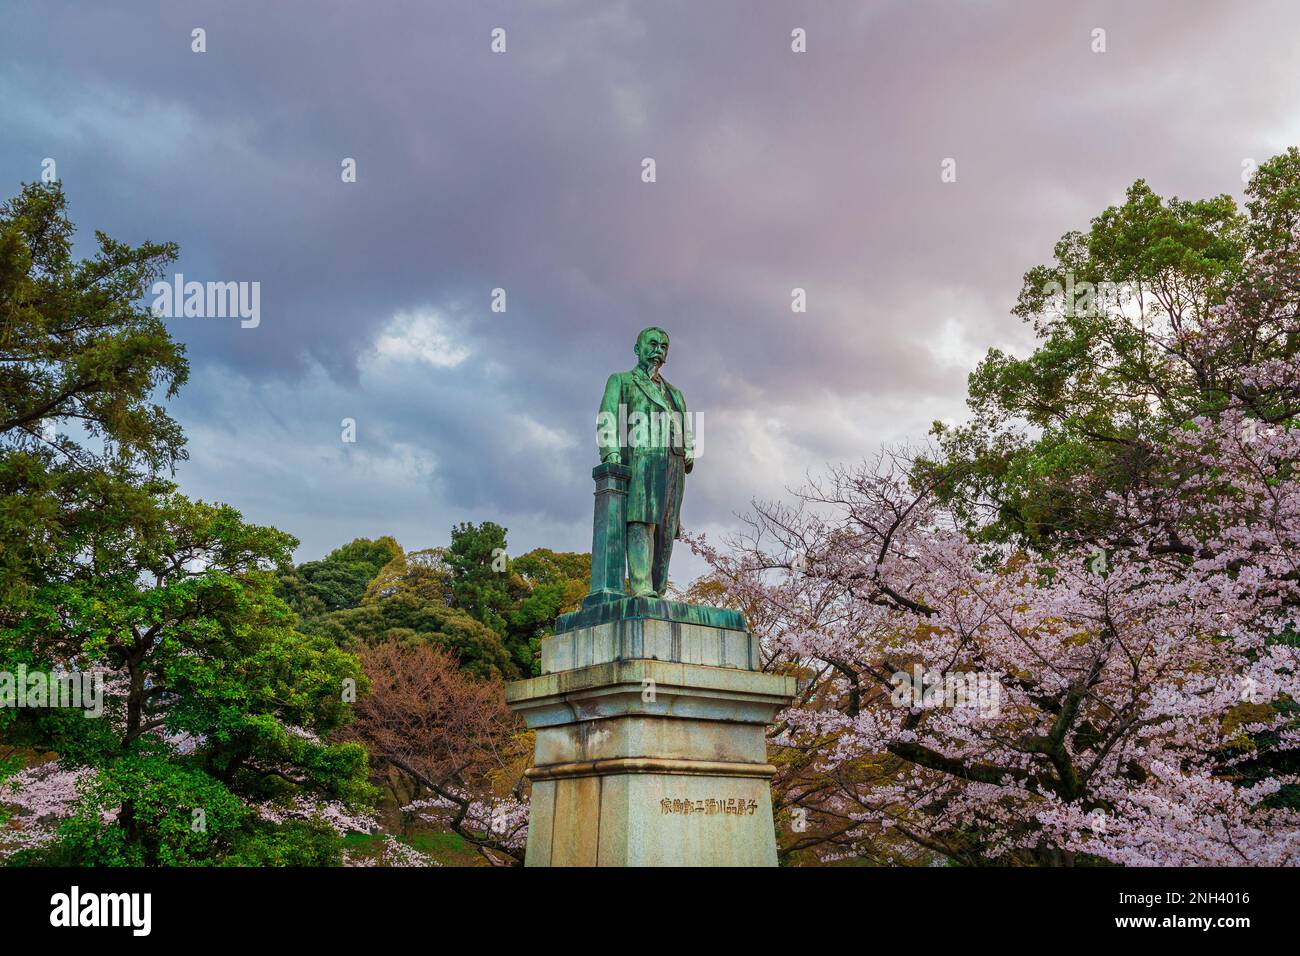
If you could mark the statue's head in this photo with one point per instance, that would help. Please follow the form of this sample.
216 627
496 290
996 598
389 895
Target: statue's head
651 348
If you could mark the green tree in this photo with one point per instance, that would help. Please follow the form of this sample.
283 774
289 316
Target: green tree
544 585
421 573
81 363
1121 315
479 570
414 619
179 816
205 671
212 695
415 596
340 579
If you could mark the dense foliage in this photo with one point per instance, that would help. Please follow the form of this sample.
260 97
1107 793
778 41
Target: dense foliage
226 677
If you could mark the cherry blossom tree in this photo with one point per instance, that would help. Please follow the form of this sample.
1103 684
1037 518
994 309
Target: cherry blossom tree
37 799
452 738
1140 676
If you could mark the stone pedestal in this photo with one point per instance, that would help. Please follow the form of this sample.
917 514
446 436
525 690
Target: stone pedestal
650 718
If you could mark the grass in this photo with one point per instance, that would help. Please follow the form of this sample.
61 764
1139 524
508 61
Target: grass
447 849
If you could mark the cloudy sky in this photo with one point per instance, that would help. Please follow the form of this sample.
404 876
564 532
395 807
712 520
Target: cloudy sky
522 170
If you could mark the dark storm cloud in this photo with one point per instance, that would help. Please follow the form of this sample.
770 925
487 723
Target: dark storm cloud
475 170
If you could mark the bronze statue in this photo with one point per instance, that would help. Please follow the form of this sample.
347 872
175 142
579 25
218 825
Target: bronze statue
643 425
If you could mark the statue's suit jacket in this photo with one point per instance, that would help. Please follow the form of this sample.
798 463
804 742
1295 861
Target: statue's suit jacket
655 493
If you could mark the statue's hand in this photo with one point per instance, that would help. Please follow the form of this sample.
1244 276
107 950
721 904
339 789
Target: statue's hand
610 455
690 463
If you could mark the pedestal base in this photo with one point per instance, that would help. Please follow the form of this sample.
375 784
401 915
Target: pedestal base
615 818
651 762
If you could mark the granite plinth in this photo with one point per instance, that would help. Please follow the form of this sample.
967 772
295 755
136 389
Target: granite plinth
651 762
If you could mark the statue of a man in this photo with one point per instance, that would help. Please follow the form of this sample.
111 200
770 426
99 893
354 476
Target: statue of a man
654 441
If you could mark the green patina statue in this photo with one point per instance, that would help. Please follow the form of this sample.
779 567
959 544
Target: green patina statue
647 442
643 425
